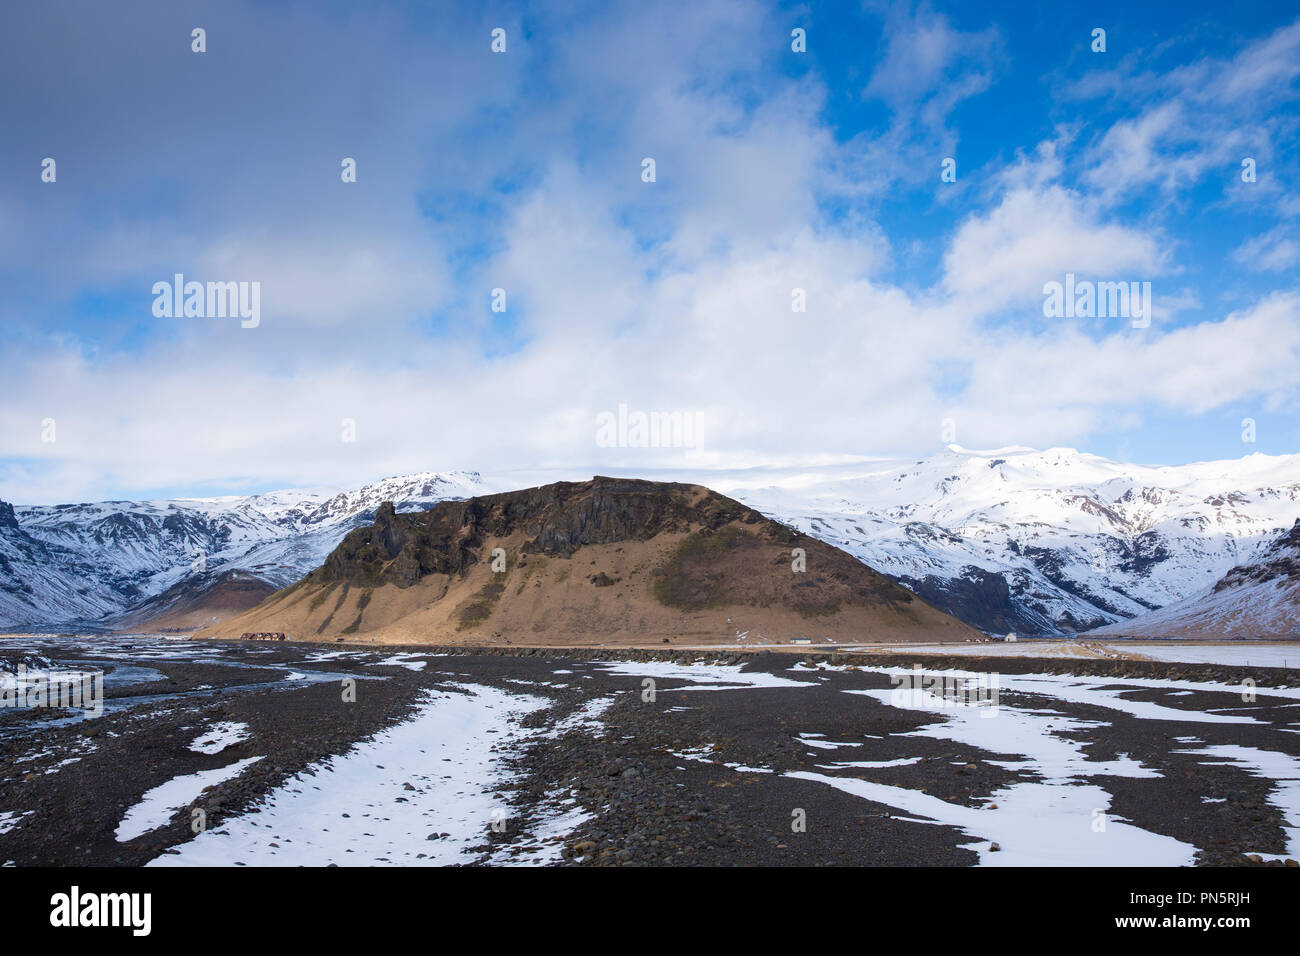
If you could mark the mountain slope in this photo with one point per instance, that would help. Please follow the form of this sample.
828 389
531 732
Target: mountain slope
1047 542
198 600
94 563
36 575
1260 600
611 560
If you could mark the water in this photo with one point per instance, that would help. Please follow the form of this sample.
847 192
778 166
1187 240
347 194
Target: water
117 660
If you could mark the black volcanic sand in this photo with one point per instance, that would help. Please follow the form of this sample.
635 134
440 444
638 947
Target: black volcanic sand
654 780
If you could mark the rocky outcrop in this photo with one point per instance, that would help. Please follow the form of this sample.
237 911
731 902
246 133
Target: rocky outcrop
8 520
555 520
982 599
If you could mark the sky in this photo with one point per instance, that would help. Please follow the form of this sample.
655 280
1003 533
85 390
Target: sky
915 177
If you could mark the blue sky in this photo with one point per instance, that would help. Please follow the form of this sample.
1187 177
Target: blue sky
522 170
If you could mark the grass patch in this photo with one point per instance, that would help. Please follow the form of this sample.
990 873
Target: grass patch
338 604
319 599
480 607
361 609
686 579
535 566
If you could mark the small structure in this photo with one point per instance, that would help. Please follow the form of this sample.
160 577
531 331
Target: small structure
263 636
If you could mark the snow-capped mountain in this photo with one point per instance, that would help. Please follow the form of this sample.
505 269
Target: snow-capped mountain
1260 600
1014 540
1041 542
74 564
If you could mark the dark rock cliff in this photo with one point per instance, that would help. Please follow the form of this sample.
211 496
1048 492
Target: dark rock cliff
555 519
8 520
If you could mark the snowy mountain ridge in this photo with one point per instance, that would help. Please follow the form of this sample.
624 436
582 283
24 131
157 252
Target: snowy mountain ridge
79 563
1037 542
1009 540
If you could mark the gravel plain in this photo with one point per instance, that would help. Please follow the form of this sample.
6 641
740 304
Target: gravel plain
729 759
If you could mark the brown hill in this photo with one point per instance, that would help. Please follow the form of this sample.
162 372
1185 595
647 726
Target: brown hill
197 601
607 561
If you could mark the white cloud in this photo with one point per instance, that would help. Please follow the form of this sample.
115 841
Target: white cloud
1037 235
671 296
1275 251
1194 120
1252 352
